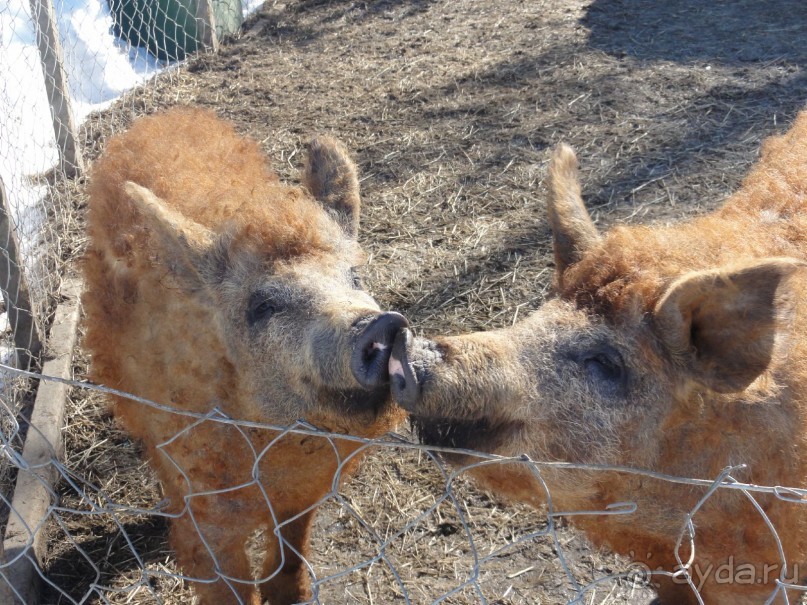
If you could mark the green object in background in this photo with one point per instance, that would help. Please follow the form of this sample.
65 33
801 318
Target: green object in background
170 29
229 17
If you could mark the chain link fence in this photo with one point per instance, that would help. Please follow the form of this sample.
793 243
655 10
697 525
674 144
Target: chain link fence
407 529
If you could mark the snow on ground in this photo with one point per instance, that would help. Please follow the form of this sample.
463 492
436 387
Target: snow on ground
99 69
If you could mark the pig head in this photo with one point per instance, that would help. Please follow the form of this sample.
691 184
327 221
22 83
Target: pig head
677 349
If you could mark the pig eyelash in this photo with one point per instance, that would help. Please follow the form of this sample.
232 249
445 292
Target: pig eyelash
358 283
261 307
263 310
604 366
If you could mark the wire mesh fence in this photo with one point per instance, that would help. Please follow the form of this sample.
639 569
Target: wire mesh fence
59 62
407 529
106 529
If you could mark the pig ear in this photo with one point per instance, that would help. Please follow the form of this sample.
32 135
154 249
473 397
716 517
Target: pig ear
573 231
722 324
179 243
331 177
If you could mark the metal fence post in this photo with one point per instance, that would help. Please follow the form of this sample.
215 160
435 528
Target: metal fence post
50 52
14 286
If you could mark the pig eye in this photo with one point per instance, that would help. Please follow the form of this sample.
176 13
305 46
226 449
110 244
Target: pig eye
602 367
605 367
358 284
260 308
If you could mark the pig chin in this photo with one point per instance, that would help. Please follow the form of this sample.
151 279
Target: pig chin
356 402
482 435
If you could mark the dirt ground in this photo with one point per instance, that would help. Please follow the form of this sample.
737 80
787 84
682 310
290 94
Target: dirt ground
450 107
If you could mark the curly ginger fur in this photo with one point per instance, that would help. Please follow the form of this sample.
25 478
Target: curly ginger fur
155 330
677 348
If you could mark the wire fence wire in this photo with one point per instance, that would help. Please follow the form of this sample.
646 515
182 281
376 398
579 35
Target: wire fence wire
107 547
61 61
407 529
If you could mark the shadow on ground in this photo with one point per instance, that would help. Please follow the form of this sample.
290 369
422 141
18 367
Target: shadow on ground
731 32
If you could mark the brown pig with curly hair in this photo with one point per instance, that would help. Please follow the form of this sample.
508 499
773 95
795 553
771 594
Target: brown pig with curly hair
221 293
680 349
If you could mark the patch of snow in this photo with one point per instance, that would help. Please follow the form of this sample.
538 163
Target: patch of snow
100 67
250 6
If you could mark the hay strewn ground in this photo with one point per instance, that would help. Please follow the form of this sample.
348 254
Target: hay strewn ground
450 108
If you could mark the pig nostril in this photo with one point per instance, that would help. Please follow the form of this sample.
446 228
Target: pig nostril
399 382
368 353
373 347
372 350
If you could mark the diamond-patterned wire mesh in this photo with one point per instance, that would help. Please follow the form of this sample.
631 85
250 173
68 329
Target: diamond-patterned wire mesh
59 62
107 544
407 529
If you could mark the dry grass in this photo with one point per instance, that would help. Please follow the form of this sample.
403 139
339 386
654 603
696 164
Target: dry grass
450 108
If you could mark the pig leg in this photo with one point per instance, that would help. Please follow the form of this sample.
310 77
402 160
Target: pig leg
291 584
228 542
670 592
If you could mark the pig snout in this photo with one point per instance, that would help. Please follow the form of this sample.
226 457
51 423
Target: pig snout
369 361
409 364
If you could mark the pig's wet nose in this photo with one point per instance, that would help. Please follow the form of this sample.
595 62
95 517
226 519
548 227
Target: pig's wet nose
403 382
370 360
